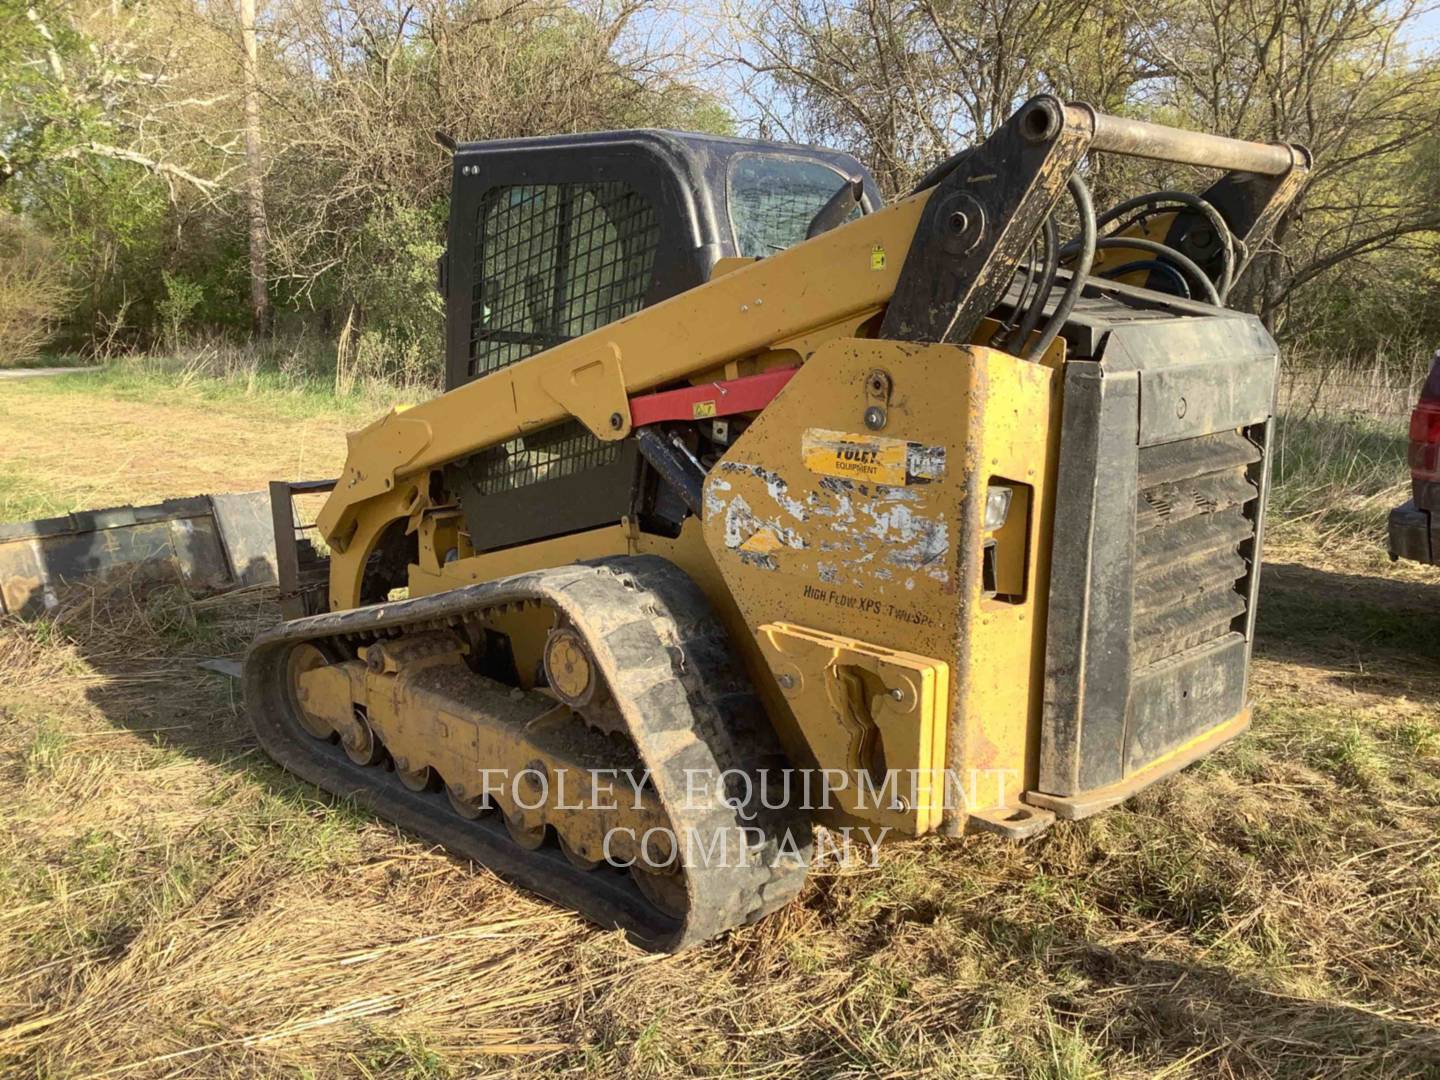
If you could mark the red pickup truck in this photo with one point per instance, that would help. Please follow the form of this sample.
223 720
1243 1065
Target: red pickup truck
1415 526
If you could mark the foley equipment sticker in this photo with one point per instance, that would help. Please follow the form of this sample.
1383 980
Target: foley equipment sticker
870 458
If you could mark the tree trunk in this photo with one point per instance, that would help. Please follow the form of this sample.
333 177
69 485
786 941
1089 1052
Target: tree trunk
254 175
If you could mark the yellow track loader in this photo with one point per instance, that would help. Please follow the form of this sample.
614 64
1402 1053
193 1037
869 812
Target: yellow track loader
755 505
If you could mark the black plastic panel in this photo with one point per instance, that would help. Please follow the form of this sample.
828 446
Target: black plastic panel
550 454
1190 524
1154 567
584 485
1173 701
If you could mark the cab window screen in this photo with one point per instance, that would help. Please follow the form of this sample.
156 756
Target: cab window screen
554 261
774 199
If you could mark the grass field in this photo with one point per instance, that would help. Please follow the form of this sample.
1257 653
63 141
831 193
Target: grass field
172 905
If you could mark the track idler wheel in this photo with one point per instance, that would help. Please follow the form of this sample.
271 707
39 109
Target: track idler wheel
568 667
574 858
529 837
534 780
575 679
303 658
658 876
665 889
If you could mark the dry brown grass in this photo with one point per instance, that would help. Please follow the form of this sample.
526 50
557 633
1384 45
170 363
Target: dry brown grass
173 905
98 440
1340 448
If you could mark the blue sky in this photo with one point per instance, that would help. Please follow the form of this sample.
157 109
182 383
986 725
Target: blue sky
698 24
1427 27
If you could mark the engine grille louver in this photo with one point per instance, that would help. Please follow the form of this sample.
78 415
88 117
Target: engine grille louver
1191 542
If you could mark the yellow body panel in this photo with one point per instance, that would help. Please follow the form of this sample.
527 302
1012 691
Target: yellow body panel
592 544
895 566
865 537
873 565
874 719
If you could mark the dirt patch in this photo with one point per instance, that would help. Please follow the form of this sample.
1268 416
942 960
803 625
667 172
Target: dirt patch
71 451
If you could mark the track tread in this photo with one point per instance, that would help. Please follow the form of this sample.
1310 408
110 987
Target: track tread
725 708
685 701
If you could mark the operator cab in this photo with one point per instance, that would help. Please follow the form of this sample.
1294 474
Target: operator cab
553 237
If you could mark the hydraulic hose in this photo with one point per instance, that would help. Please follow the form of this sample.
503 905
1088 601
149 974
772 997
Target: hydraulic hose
1200 206
1022 302
1164 251
1031 317
1168 269
1085 207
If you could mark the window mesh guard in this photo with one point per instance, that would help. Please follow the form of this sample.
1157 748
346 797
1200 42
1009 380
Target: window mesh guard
562 450
553 262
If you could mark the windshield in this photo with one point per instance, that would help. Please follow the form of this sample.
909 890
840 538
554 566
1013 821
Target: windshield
773 199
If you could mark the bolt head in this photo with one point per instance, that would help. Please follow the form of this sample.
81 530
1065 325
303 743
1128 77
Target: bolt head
616 421
874 418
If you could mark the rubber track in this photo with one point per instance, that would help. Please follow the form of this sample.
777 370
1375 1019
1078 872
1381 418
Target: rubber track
684 698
